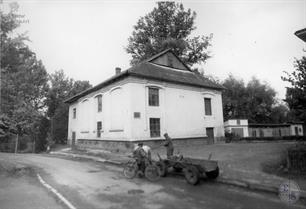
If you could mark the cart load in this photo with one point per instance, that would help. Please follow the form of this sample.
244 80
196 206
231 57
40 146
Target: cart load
193 169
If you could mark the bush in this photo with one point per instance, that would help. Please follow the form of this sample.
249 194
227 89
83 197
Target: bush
291 161
297 158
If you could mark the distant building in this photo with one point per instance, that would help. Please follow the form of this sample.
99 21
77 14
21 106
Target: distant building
142 103
241 128
275 130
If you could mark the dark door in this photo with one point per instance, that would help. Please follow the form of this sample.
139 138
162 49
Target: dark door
296 130
210 135
73 139
237 132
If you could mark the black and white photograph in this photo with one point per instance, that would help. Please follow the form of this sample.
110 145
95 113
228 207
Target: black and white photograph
145 104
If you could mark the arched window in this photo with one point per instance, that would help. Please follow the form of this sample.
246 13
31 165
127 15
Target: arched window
116 109
99 102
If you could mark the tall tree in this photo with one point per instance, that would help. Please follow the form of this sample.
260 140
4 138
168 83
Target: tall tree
61 88
296 93
234 98
168 25
254 101
23 77
260 101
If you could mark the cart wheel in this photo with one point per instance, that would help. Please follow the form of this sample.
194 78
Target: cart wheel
130 169
213 174
152 172
162 168
192 175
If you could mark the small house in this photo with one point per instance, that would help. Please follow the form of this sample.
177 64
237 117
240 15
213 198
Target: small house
142 103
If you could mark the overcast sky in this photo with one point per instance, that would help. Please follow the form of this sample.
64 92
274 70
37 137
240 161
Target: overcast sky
87 38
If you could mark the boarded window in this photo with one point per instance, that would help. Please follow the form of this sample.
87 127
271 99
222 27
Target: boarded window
99 102
207 103
99 129
136 114
74 113
153 97
154 127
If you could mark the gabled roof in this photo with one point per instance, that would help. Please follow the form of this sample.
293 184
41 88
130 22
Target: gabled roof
149 69
301 34
167 53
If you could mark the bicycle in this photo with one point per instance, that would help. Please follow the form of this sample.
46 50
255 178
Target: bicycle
131 169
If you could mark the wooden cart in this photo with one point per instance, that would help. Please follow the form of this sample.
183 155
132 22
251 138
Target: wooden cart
193 169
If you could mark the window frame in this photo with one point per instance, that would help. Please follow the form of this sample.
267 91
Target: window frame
99 102
152 96
208 113
99 129
74 113
155 128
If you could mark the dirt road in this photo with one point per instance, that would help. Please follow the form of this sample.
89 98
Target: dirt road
93 185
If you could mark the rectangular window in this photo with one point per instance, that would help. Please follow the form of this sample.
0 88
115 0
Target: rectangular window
74 113
207 103
99 100
154 127
99 129
153 97
136 114
238 122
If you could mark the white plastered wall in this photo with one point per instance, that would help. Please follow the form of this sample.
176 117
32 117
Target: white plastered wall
181 112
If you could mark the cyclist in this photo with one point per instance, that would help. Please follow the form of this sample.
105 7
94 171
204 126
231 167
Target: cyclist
140 155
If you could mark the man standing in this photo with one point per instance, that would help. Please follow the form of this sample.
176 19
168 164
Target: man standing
140 155
169 145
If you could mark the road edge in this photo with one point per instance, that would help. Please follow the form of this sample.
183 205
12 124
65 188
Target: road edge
228 181
55 192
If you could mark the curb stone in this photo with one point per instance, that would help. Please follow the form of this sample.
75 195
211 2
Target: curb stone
234 182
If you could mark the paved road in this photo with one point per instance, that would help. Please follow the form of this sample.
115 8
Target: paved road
93 185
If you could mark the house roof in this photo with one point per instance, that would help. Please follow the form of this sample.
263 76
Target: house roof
301 34
150 70
254 125
261 125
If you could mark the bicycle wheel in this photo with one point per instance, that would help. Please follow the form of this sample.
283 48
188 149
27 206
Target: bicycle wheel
130 169
152 172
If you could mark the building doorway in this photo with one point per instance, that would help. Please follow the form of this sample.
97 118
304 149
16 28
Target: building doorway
210 135
73 139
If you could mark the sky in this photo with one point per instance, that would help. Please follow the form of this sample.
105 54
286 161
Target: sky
87 39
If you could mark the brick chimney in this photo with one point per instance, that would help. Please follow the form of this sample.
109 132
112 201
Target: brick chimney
118 70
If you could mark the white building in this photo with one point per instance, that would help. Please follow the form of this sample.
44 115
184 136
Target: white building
142 103
239 127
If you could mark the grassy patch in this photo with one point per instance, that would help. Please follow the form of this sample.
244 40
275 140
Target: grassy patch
280 167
